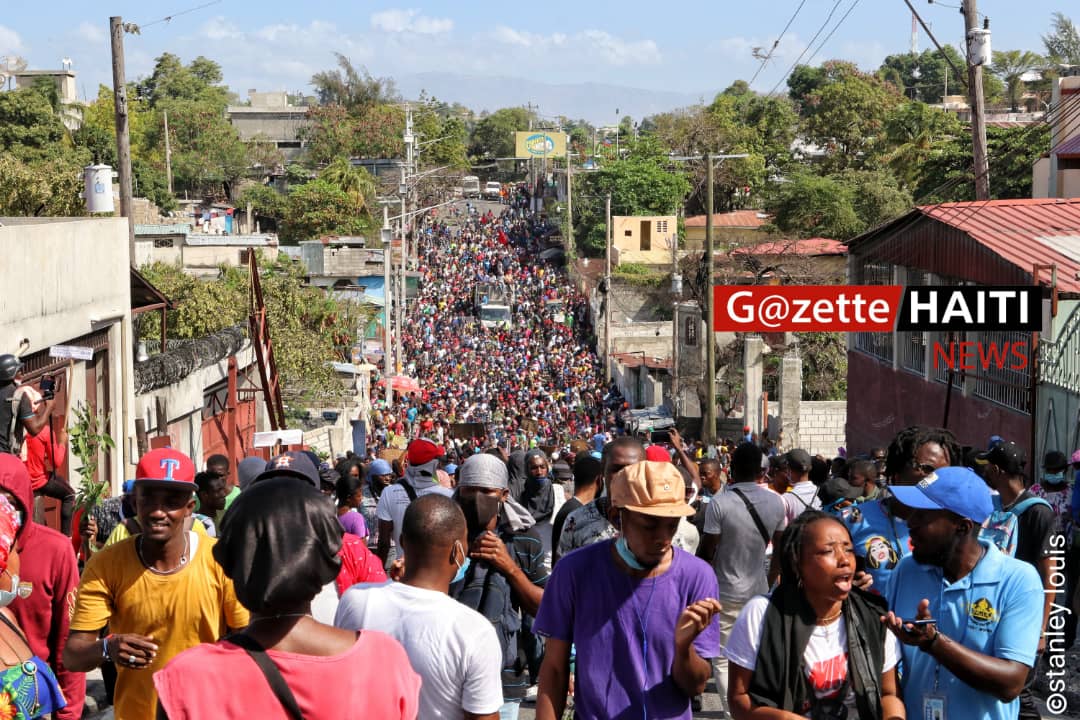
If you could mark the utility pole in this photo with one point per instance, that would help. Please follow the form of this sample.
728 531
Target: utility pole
709 431
977 102
570 202
388 355
410 141
168 155
123 140
609 296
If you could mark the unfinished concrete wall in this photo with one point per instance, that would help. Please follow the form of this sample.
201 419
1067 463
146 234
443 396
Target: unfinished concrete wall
821 426
753 360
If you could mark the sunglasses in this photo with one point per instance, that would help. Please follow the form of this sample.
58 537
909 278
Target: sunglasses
924 468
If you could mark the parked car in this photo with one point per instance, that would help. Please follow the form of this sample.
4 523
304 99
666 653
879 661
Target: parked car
493 190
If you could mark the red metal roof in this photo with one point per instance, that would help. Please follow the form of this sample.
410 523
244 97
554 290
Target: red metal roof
809 247
1069 149
737 219
1023 232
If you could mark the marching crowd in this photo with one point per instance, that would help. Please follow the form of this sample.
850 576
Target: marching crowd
549 556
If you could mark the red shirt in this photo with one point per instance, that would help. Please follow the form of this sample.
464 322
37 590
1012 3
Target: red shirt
358 564
38 451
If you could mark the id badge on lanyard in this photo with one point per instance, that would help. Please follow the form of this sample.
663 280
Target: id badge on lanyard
934 707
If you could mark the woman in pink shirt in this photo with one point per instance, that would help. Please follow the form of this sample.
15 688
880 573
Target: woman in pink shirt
280 548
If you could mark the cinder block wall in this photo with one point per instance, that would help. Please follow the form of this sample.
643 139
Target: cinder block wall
821 426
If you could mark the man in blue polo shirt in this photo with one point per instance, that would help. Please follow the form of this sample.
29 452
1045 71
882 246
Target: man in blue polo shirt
973 660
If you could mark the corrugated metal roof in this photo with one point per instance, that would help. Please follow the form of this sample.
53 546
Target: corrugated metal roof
1023 232
148 230
1069 149
737 219
231 240
808 247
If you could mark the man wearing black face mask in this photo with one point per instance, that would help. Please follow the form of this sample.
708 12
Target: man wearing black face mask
507 574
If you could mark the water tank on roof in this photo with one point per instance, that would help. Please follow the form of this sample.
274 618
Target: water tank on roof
98 193
978 41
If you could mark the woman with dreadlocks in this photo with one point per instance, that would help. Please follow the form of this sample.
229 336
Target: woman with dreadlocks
815 647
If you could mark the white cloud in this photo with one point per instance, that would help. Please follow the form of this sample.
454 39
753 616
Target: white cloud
221 29
397 20
588 45
93 33
10 42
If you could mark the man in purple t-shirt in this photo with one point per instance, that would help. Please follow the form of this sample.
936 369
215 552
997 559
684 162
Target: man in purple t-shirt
640 612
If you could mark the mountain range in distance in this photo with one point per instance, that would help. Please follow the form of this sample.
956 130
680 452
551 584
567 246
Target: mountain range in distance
594 102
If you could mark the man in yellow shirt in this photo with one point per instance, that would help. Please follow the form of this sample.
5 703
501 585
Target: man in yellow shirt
160 592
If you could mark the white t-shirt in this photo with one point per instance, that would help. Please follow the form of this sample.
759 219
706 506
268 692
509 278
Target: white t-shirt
825 658
801 497
393 502
452 647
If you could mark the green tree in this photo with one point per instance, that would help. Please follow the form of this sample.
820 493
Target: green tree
30 129
352 87
172 80
1011 153
846 118
309 328
1063 41
45 187
493 136
925 76
913 131
1011 66
837 206
319 208
640 184
265 201
357 183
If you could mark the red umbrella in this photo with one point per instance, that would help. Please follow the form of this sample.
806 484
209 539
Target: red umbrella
402 384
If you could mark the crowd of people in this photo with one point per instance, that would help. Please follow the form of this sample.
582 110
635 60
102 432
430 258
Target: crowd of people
548 556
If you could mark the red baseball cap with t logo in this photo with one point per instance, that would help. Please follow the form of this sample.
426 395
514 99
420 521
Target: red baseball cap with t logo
166 466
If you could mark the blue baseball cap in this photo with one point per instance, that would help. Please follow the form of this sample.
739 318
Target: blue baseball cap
957 489
380 467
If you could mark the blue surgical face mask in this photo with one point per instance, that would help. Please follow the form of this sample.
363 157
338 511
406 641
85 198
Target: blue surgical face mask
1053 478
623 549
462 567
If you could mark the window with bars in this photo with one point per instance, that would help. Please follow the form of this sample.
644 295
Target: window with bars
912 345
163 243
661 226
878 344
1003 381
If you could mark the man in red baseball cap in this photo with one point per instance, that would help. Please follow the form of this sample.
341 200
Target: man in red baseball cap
159 592
420 478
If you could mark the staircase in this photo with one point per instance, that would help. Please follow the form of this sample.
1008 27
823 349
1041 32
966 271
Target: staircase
1059 361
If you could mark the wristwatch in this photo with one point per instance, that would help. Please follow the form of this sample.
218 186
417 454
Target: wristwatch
105 648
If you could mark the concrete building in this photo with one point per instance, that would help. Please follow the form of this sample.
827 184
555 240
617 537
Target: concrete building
269 115
740 227
902 378
72 286
643 239
199 254
1057 175
71 111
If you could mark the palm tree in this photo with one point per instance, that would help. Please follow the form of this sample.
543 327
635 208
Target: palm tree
357 183
1011 66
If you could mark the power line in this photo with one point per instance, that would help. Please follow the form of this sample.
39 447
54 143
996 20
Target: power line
835 28
168 18
776 44
808 45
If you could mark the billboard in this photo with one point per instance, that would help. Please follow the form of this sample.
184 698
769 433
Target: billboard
539 143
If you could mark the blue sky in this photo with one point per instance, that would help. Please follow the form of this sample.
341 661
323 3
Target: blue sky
695 47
